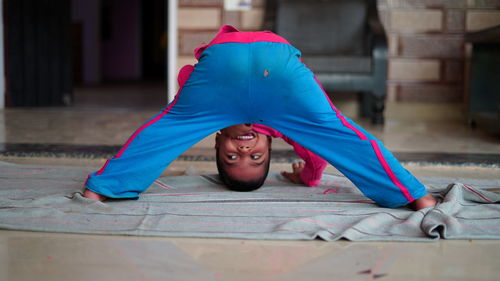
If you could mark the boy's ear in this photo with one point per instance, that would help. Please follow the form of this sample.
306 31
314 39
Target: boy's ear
217 140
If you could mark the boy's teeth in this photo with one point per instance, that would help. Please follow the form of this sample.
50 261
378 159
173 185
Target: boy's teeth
245 137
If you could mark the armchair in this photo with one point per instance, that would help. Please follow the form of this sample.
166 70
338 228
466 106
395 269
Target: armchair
342 41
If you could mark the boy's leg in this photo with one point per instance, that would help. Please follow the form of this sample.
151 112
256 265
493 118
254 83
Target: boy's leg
359 156
148 152
194 114
302 111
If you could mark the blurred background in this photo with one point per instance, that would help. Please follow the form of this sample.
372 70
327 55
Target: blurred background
419 74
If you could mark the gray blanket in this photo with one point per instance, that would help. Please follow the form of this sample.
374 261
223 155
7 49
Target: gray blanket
41 198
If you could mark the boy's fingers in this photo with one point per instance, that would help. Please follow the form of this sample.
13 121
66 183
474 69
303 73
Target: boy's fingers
291 177
298 167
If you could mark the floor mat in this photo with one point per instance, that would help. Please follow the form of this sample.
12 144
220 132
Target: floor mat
48 198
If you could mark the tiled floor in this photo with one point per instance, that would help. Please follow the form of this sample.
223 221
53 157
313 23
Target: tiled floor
108 115
39 256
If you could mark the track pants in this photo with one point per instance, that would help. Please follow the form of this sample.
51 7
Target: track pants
258 82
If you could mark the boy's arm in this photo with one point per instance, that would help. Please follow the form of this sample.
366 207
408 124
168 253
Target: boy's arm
310 173
314 166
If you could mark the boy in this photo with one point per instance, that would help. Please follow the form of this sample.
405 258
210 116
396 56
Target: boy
254 78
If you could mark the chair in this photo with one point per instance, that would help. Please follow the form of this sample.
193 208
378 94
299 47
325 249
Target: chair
342 41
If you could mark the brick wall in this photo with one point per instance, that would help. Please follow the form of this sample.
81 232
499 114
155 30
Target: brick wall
199 21
426 45
426 40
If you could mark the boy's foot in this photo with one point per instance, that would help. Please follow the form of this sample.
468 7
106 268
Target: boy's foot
92 195
424 202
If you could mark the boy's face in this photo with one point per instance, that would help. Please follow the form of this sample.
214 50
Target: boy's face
242 151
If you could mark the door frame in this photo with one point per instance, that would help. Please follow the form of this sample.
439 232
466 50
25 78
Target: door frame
2 61
172 48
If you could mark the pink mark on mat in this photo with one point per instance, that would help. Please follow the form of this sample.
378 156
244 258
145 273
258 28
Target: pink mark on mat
163 185
330 190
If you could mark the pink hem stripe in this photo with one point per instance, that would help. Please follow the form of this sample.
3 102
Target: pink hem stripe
102 169
126 145
165 112
388 170
360 134
374 144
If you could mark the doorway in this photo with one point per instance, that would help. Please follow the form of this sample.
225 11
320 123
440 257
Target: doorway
107 53
122 51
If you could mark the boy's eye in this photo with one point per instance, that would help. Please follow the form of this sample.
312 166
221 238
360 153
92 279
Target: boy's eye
256 157
231 157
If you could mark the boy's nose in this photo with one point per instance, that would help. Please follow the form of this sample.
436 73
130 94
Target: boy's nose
244 148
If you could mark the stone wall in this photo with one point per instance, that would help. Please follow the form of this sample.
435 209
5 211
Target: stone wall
426 40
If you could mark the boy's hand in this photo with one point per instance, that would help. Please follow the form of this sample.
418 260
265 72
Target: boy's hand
92 195
295 175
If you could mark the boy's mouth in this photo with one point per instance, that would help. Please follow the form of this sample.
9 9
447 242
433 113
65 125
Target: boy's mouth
245 137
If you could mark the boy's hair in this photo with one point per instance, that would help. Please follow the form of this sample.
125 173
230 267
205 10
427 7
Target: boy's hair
239 185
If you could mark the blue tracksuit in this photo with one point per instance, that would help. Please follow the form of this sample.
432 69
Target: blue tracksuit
255 77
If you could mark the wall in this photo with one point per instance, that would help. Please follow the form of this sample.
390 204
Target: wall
426 45
199 20
426 40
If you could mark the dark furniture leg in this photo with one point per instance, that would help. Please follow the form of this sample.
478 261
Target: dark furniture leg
378 106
